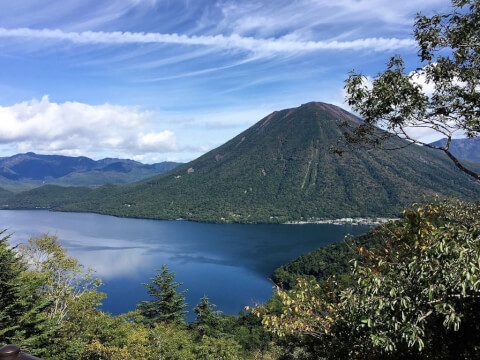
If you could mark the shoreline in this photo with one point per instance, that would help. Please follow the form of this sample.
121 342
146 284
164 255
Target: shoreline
345 221
341 221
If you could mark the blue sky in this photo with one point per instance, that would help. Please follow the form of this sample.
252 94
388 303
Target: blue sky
159 80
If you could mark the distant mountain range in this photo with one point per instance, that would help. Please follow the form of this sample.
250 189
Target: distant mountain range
280 169
32 169
466 149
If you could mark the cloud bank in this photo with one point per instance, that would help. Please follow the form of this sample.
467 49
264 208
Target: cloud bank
74 128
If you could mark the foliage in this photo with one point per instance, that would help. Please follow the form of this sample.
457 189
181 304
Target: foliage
310 308
207 320
66 280
172 341
119 338
416 297
449 50
211 348
92 334
84 325
49 196
423 289
4 194
49 305
22 305
167 305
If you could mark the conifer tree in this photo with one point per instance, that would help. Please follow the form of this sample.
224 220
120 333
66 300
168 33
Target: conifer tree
207 320
167 305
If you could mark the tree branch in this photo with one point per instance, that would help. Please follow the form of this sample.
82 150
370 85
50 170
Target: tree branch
461 167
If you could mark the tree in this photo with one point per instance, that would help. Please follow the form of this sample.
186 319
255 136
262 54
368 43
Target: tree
167 305
311 321
84 325
172 342
66 280
416 297
211 348
207 319
396 101
116 338
22 304
422 291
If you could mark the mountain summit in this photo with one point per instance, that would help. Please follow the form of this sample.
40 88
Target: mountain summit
282 169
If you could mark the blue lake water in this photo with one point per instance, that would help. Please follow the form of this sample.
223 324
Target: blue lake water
230 263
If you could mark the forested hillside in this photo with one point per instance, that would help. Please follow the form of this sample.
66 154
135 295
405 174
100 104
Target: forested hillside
332 260
280 169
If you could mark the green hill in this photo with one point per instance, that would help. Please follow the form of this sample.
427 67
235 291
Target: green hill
281 169
47 197
331 260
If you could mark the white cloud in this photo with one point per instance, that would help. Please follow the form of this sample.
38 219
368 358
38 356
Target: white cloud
419 78
74 128
234 41
152 142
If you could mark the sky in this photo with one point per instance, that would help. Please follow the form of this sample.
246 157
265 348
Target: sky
158 80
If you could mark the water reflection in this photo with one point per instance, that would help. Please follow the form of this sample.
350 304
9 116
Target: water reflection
229 263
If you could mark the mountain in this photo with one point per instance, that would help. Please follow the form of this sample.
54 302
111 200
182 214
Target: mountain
32 169
466 149
279 169
39 167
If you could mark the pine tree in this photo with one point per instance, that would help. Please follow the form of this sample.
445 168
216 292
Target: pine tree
167 305
207 320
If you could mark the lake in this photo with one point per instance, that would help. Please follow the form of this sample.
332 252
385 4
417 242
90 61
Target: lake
230 263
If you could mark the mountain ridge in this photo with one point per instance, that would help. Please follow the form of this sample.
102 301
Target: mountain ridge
278 170
30 169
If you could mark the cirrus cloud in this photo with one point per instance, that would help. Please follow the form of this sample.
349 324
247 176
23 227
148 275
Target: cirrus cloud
77 128
234 41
